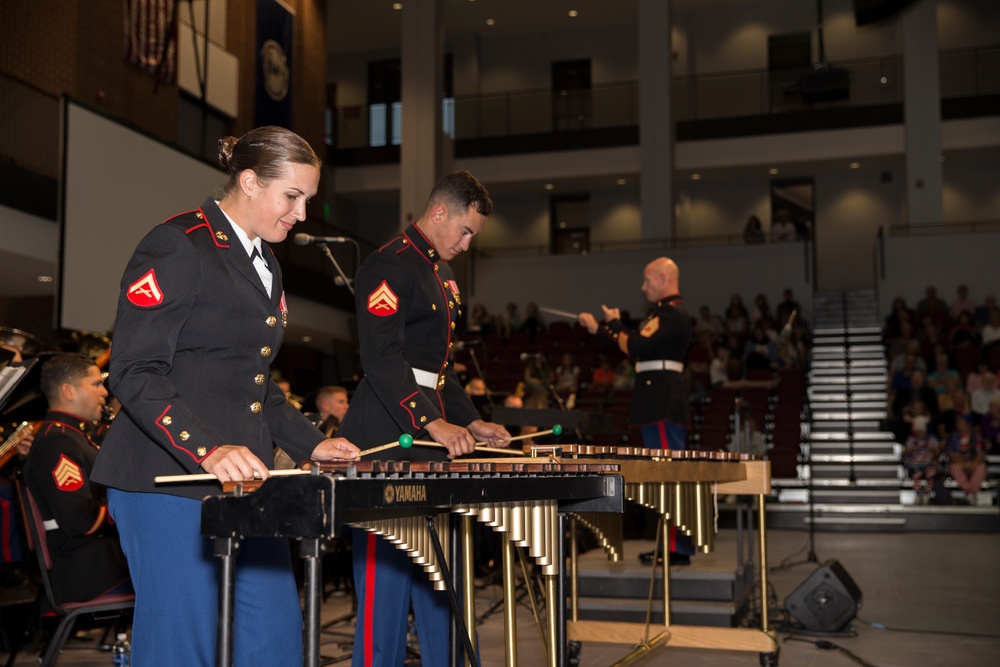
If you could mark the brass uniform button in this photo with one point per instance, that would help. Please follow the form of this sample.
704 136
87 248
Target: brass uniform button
185 435
198 215
256 407
265 351
271 321
452 325
166 420
202 451
434 306
413 404
430 253
436 267
423 420
259 379
649 382
451 304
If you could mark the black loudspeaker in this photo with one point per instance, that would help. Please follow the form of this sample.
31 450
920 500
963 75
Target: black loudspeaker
870 11
827 600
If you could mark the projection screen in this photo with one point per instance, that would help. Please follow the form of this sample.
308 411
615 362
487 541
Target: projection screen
117 185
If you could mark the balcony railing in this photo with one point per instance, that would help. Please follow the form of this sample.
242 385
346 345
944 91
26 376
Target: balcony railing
873 82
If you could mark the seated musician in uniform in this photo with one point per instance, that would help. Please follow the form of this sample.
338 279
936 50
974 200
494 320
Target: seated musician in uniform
87 558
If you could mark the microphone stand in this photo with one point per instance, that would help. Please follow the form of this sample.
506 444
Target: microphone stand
489 393
329 255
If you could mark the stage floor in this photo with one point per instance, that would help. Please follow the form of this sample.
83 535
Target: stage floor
939 592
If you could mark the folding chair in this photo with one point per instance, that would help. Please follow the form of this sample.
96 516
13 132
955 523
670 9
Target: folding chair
67 611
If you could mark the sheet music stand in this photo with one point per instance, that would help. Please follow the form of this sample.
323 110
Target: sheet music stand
11 376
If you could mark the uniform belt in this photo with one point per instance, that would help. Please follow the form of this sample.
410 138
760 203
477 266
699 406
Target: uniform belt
659 365
51 524
428 379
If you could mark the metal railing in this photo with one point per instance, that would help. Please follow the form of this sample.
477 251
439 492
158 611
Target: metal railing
873 81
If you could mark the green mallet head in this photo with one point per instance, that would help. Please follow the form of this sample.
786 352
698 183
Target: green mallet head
406 441
557 430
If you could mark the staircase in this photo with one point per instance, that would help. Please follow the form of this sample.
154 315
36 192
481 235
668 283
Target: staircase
849 472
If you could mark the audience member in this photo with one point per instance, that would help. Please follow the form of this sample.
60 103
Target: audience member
991 330
979 400
932 306
961 304
982 314
761 310
480 321
624 376
708 323
760 352
989 427
962 332
566 379
948 418
904 400
966 459
920 458
720 374
941 379
604 375
737 319
974 380
899 313
510 321
536 384
532 323
753 232
782 227
787 308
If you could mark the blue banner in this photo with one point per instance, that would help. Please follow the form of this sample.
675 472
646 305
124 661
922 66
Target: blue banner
273 97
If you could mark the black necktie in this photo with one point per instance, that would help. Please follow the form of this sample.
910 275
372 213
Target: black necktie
256 253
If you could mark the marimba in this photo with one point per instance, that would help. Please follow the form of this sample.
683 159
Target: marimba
526 500
680 485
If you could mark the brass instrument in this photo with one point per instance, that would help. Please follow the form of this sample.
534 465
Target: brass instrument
9 447
22 341
94 345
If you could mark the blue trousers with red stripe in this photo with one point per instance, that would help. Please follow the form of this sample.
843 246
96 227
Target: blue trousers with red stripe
387 583
664 435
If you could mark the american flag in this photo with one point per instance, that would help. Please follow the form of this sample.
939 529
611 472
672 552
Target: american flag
147 23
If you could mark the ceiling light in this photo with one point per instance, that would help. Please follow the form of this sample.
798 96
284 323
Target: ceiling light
307 339
620 181
772 171
855 165
491 22
549 186
695 177
44 279
572 13
397 6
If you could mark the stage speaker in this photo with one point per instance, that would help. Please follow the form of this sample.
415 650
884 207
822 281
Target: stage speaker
827 600
871 11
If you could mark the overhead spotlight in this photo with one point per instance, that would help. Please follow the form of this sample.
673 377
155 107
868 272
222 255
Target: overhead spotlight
44 279
695 177
620 181
490 21
572 13
307 339
855 165
397 6
772 171
550 186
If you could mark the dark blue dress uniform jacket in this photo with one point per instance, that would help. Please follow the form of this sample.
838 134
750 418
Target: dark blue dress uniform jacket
664 335
86 558
407 306
191 358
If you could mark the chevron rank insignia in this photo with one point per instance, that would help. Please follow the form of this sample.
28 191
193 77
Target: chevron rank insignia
67 474
145 292
383 301
650 327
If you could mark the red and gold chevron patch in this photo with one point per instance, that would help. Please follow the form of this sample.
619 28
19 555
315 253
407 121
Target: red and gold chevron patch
67 474
383 302
145 292
650 327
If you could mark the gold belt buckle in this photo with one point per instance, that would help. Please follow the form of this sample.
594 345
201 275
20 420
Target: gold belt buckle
440 382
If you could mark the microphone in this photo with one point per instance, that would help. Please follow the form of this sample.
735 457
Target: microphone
305 239
531 355
462 344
